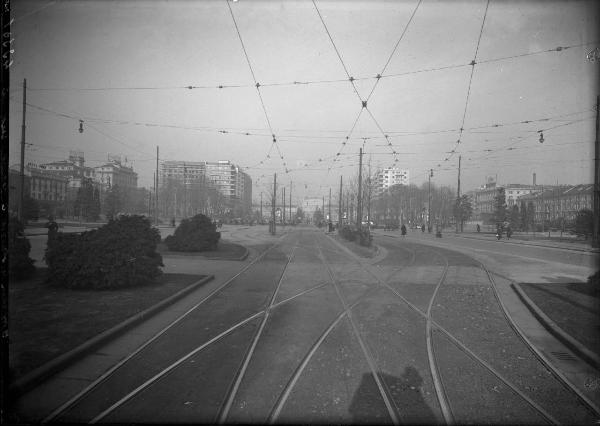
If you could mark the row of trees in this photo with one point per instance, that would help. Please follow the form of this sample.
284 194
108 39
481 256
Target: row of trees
177 199
88 202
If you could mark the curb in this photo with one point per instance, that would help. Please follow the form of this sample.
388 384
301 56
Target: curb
241 258
583 352
41 373
527 243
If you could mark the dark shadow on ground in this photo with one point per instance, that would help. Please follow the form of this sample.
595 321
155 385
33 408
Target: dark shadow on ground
405 394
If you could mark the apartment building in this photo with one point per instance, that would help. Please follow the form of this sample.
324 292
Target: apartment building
388 177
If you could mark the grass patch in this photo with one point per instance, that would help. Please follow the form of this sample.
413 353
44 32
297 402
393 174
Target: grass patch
45 322
225 250
574 307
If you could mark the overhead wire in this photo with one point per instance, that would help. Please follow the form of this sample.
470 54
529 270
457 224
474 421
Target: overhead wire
257 84
473 63
378 77
308 82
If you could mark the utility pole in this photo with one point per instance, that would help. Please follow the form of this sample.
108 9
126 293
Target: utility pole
22 167
369 204
184 191
596 215
359 200
290 217
459 209
261 214
543 212
283 210
329 214
156 190
340 206
273 228
429 211
323 208
151 197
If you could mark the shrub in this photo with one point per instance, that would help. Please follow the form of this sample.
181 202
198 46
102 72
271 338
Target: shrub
120 254
363 236
348 233
195 234
20 265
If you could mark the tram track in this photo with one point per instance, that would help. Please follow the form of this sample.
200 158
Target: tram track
113 370
433 325
346 313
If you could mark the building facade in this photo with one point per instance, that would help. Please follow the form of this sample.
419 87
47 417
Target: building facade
388 177
560 203
115 173
49 189
228 179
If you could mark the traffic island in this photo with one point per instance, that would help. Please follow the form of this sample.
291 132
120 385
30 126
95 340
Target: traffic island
570 311
225 250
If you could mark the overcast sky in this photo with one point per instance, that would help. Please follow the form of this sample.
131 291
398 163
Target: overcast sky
123 67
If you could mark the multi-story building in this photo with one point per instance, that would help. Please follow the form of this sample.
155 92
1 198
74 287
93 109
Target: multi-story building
229 180
74 169
114 173
514 191
39 184
388 177
560 202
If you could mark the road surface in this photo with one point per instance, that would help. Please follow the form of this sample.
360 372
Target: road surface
308 332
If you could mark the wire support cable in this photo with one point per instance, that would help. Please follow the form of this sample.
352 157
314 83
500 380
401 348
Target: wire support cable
256 83
378 77
473 63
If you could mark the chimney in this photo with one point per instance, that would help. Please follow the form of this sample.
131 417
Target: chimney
534 179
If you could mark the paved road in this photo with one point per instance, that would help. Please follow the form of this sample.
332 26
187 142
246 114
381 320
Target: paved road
309 333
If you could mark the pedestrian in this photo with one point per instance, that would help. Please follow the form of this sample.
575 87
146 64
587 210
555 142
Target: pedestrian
478 228
403 229
52 228
423 227
508 232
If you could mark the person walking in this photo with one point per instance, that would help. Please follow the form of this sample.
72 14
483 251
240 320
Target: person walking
403 229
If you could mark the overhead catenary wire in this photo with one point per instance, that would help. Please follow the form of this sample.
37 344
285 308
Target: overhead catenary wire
257 84
473 63
300 82
378 77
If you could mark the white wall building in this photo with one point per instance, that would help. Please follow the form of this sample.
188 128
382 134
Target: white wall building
389 177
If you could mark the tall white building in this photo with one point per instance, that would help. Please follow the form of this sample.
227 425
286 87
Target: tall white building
389 177
229 179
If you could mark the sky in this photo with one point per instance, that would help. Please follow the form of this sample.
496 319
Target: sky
125 67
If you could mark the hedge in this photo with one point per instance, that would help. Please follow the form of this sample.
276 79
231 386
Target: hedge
122 253
20 265
196 234
363 236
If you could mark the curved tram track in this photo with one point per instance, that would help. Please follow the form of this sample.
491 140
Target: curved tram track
422 326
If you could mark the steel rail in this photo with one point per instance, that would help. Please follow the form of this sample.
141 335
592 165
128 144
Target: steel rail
536 352
433 368
277 408
177 363
170 368
465 349
381 385
242 371
65 406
